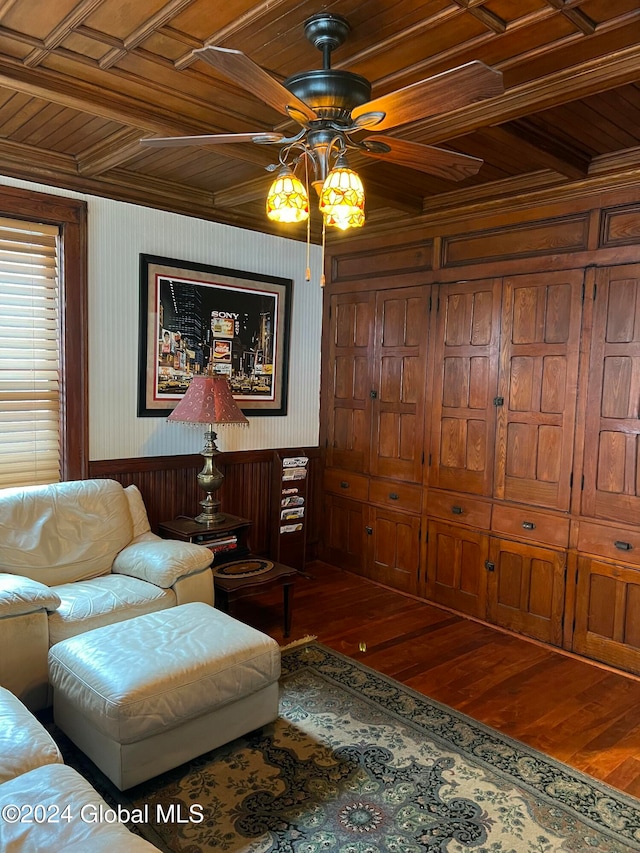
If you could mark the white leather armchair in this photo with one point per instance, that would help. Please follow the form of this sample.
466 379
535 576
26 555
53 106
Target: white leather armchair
76 556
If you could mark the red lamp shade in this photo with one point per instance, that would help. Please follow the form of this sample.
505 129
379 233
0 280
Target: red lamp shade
208 401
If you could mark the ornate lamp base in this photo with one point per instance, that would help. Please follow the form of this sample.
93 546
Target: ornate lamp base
210 479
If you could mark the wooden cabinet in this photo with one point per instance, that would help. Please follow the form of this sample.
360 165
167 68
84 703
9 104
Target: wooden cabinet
393 549
538 382
612 441
456 572
375 380
374 383
465 386
513 366
344 533
607 618
526 589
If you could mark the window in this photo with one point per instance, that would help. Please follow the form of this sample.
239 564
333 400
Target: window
43 352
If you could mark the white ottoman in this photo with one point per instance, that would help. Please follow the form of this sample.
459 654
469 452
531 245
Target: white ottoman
142 696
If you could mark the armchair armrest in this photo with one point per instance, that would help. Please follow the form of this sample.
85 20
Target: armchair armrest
161 561
20 595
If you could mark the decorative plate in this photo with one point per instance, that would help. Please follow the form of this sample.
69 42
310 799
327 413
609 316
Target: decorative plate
243 568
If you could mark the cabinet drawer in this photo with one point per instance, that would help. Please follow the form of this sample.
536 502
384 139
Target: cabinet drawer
401 496
460 508
620 544
346 483
522 523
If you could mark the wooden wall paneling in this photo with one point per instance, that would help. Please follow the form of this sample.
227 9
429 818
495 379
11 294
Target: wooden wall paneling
567 233
399 380
540 349
170 488
410 257
347 380
465 379
612 463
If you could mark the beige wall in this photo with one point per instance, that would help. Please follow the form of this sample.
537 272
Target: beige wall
118 233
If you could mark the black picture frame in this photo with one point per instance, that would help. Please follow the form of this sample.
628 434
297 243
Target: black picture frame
197 317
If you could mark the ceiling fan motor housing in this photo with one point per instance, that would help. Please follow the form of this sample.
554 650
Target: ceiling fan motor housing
331 94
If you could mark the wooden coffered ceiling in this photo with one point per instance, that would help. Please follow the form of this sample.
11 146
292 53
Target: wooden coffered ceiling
81 81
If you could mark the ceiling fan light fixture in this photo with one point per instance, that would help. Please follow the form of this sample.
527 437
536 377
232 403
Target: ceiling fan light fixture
287 199
341 221
342 197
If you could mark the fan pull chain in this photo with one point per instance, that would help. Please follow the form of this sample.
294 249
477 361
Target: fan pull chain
324 229
307 276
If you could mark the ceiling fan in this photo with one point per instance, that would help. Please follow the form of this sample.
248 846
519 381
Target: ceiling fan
336 113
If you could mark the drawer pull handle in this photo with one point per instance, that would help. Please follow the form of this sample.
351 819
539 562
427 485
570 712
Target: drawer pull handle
369 531
528 525
489 566
623 546
394 496
456 510
344 484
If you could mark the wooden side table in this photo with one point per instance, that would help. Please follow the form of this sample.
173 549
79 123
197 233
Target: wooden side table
230 590
216 536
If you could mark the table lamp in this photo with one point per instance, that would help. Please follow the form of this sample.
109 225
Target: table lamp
208 400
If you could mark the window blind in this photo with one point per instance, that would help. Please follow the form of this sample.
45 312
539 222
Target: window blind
29 354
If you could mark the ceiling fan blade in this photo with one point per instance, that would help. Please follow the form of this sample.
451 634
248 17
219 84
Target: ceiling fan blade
424 158
442 93
237 67
210 139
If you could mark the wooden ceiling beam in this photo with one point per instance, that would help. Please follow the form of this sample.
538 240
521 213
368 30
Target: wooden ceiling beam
110 153
542 150
489 19
143 32
560 87
76 16
270 7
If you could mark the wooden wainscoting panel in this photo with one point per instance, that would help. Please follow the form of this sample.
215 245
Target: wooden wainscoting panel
169 487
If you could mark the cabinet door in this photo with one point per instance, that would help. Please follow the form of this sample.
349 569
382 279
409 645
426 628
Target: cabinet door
400 359
540 348
526 589
607 622
394 549
612 438
466 353
456 574
343 535
348 381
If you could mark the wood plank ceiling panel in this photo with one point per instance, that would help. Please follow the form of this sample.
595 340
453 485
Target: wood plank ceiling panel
86 79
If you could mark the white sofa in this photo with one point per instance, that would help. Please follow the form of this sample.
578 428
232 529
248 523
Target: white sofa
44 804
75 556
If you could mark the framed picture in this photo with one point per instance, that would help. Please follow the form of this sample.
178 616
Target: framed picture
196 319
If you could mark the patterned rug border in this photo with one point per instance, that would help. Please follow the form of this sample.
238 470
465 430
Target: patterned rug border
603 807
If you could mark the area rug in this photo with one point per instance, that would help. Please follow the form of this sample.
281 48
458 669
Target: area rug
358 763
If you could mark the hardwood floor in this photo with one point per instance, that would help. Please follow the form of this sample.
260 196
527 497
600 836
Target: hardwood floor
578 712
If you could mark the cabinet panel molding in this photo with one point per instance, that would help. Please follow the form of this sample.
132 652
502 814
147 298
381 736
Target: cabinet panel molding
526 589
562 234
465 385
411 257
612 427
456 573
539 357
608 613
